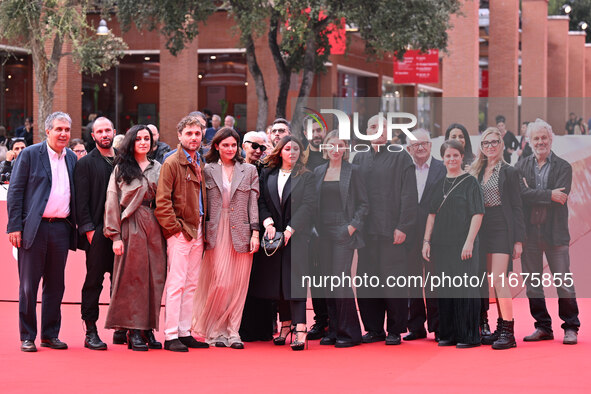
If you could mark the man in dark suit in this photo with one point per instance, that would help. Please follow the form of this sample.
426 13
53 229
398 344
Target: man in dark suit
91 179
389 175
429 172
41 224
546 185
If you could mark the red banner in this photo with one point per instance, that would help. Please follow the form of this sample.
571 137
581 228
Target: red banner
417 67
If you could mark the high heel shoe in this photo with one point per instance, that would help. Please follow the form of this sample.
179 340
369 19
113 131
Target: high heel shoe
135 341
150 339
280 340
299 345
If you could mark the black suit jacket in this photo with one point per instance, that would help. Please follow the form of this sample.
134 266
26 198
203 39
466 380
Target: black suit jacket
510 189
273 275
555 229
391 185
30 185
353 198
91 178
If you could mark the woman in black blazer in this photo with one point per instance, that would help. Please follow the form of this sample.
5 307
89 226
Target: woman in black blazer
502 231
341 210
286 204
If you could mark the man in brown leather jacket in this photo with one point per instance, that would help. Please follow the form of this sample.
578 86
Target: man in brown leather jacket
180 207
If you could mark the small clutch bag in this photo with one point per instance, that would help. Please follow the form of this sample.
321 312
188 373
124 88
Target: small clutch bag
271 246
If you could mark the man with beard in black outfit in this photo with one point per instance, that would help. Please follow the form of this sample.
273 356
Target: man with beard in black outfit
315 134
91 179
389 175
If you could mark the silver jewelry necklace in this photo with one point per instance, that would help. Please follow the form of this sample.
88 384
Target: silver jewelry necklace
451 188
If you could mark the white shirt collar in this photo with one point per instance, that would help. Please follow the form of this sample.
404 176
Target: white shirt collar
426 165
53 154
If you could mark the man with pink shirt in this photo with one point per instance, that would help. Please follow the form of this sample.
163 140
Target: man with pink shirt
41 224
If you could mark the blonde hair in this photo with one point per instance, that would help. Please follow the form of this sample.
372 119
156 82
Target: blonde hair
331 136
481 160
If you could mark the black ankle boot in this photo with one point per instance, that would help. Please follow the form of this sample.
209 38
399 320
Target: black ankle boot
507 338
120 337
148 336
484 327
490 339
135 341
92 340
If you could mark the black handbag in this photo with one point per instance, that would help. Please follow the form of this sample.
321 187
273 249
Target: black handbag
271 246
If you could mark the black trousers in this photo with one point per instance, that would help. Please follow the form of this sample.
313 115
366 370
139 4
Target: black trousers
336 255
99 261
294 310
559 263
319 303
421 310
257 319
45 259
381 258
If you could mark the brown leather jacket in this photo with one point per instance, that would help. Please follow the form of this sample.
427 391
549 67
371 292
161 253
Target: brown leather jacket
177 197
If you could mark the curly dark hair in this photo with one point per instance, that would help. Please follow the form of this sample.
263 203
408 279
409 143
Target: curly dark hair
214 155
274 160
128 169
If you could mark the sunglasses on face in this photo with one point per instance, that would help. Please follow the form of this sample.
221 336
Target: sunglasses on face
256 146
493 143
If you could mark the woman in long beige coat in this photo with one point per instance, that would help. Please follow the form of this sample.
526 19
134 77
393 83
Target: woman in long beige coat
139 271
232 238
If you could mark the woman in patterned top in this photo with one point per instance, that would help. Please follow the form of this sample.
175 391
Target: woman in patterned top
502 231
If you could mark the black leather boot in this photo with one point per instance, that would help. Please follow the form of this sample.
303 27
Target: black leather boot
120 337
149 338
135 341
490 339
92 340
507 338
484 327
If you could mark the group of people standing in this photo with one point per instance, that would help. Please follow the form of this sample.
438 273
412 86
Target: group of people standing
227 238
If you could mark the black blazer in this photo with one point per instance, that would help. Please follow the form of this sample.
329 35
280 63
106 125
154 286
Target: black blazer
91 178
353 198
436 172
555 229
510 189
273 275
30 185
391 185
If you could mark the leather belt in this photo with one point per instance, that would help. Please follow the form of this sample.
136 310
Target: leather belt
55 220
149 203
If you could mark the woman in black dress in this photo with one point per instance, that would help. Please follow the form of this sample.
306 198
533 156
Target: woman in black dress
502 231
342 207
458 132
287 201
451 243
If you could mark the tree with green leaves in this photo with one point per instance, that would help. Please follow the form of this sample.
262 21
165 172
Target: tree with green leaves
580 12
297 33
51 30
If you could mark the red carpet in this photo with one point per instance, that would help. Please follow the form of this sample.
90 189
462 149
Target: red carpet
547 366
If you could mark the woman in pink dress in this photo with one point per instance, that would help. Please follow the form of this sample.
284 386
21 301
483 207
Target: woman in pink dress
232 237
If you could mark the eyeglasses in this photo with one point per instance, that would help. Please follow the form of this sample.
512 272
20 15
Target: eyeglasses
256 146
423 145
493 143
278 131
80 151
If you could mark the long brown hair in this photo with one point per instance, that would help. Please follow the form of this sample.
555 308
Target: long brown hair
214 155
481 160
274 160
